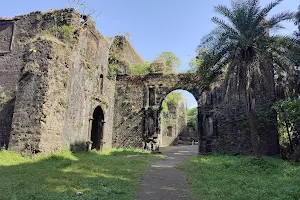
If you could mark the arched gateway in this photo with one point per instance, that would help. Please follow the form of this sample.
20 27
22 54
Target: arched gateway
138 101
97 128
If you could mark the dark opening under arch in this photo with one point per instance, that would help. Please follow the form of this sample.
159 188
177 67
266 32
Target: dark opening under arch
97 128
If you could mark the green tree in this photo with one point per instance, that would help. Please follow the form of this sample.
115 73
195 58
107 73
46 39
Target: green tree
140 68
244 33
192 119
171 60
172 99
242 41
289 121
204 66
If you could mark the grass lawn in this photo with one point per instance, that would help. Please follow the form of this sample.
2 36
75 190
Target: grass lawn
242 177
114 174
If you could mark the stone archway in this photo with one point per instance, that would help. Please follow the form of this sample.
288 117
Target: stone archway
97 128
173 124
137 105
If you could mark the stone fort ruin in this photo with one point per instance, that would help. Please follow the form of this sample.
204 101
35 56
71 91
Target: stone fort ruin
58 90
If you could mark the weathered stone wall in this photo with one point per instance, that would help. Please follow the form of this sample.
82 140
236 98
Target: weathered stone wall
173 123
237 116
63 80
15 34
10 62
138 103
54 71
123 55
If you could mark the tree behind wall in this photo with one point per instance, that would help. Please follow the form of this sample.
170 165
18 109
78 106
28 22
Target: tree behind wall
242 41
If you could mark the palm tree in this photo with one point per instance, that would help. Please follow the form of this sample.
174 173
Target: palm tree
244 32
243 42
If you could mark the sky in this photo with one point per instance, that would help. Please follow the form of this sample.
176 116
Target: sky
154 26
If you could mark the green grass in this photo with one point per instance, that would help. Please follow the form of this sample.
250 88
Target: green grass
113 174
242 177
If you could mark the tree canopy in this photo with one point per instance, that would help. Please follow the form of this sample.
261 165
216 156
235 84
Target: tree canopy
172 99
244 32
203 65
171 60
192 119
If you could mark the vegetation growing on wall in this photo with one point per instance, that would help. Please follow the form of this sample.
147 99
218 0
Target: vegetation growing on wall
114 62
65 32
4 98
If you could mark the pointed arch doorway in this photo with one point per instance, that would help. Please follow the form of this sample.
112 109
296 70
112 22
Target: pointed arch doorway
97 128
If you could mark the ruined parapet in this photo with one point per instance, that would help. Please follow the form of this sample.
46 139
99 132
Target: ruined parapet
122 55
158 66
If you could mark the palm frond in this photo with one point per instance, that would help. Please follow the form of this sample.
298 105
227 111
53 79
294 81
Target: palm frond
253 9
264 12
225 11
279 18
222 24
269 7
244 33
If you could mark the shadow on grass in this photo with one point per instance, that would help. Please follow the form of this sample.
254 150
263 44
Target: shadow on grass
62 175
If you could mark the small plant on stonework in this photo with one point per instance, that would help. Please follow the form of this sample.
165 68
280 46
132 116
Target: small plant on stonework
127 36
92 21
104 101
155 108
32 50
113 70
65 32
109 39
82 7
4 98
60 109
39 17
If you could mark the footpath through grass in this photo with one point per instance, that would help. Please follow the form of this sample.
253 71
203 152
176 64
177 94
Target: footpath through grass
114 174
242 177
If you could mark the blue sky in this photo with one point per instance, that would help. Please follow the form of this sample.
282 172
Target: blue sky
155 26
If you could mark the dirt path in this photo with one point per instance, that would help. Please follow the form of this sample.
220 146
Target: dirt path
164 181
